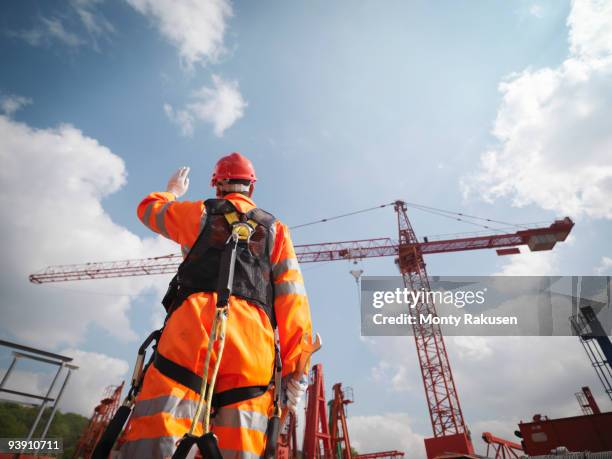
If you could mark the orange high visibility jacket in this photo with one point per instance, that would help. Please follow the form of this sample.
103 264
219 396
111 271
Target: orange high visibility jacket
248 357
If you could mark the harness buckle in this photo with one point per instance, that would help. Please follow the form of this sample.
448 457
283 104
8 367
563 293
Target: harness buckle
240 225
243 231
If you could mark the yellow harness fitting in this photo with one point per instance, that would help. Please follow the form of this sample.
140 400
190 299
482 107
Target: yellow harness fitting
244 230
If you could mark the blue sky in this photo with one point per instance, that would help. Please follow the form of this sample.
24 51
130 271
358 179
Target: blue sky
340 106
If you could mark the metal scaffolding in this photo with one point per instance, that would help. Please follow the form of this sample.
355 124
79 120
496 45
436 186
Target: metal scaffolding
63 366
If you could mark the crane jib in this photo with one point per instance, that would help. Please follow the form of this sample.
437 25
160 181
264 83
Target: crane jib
535 238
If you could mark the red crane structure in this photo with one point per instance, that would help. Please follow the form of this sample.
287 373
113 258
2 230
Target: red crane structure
587 402
449 428
338 428
317 440
331 441
99 420
503 449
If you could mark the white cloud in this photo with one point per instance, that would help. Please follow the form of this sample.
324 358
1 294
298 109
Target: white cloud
48 31
221 106
472 347
385 432
530 264
394 369
590 23
393 373
605 267
27 381
94 22
87 384
553 127
56 30
66 30
195 27
522 376
182 118
51 186
10 103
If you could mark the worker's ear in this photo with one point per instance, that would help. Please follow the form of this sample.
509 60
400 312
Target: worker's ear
251 189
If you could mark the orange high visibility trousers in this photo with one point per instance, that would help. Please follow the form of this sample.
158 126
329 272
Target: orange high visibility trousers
240 427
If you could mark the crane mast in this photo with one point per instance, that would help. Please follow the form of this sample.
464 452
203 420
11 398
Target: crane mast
442 400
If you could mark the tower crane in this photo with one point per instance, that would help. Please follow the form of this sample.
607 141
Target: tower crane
450 432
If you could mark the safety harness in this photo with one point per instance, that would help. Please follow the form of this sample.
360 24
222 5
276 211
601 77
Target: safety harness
231 256
201 268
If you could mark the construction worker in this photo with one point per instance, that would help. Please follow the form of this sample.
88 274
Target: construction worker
268 290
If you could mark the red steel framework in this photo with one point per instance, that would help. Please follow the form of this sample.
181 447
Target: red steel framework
102 415
503 449
449 428
587 402
341 443
331 441
317 440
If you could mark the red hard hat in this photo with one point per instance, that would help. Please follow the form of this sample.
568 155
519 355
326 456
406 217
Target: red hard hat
233 166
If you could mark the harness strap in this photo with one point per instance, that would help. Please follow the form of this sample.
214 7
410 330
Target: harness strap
177 372
237 394
106 442
112 431
191 380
